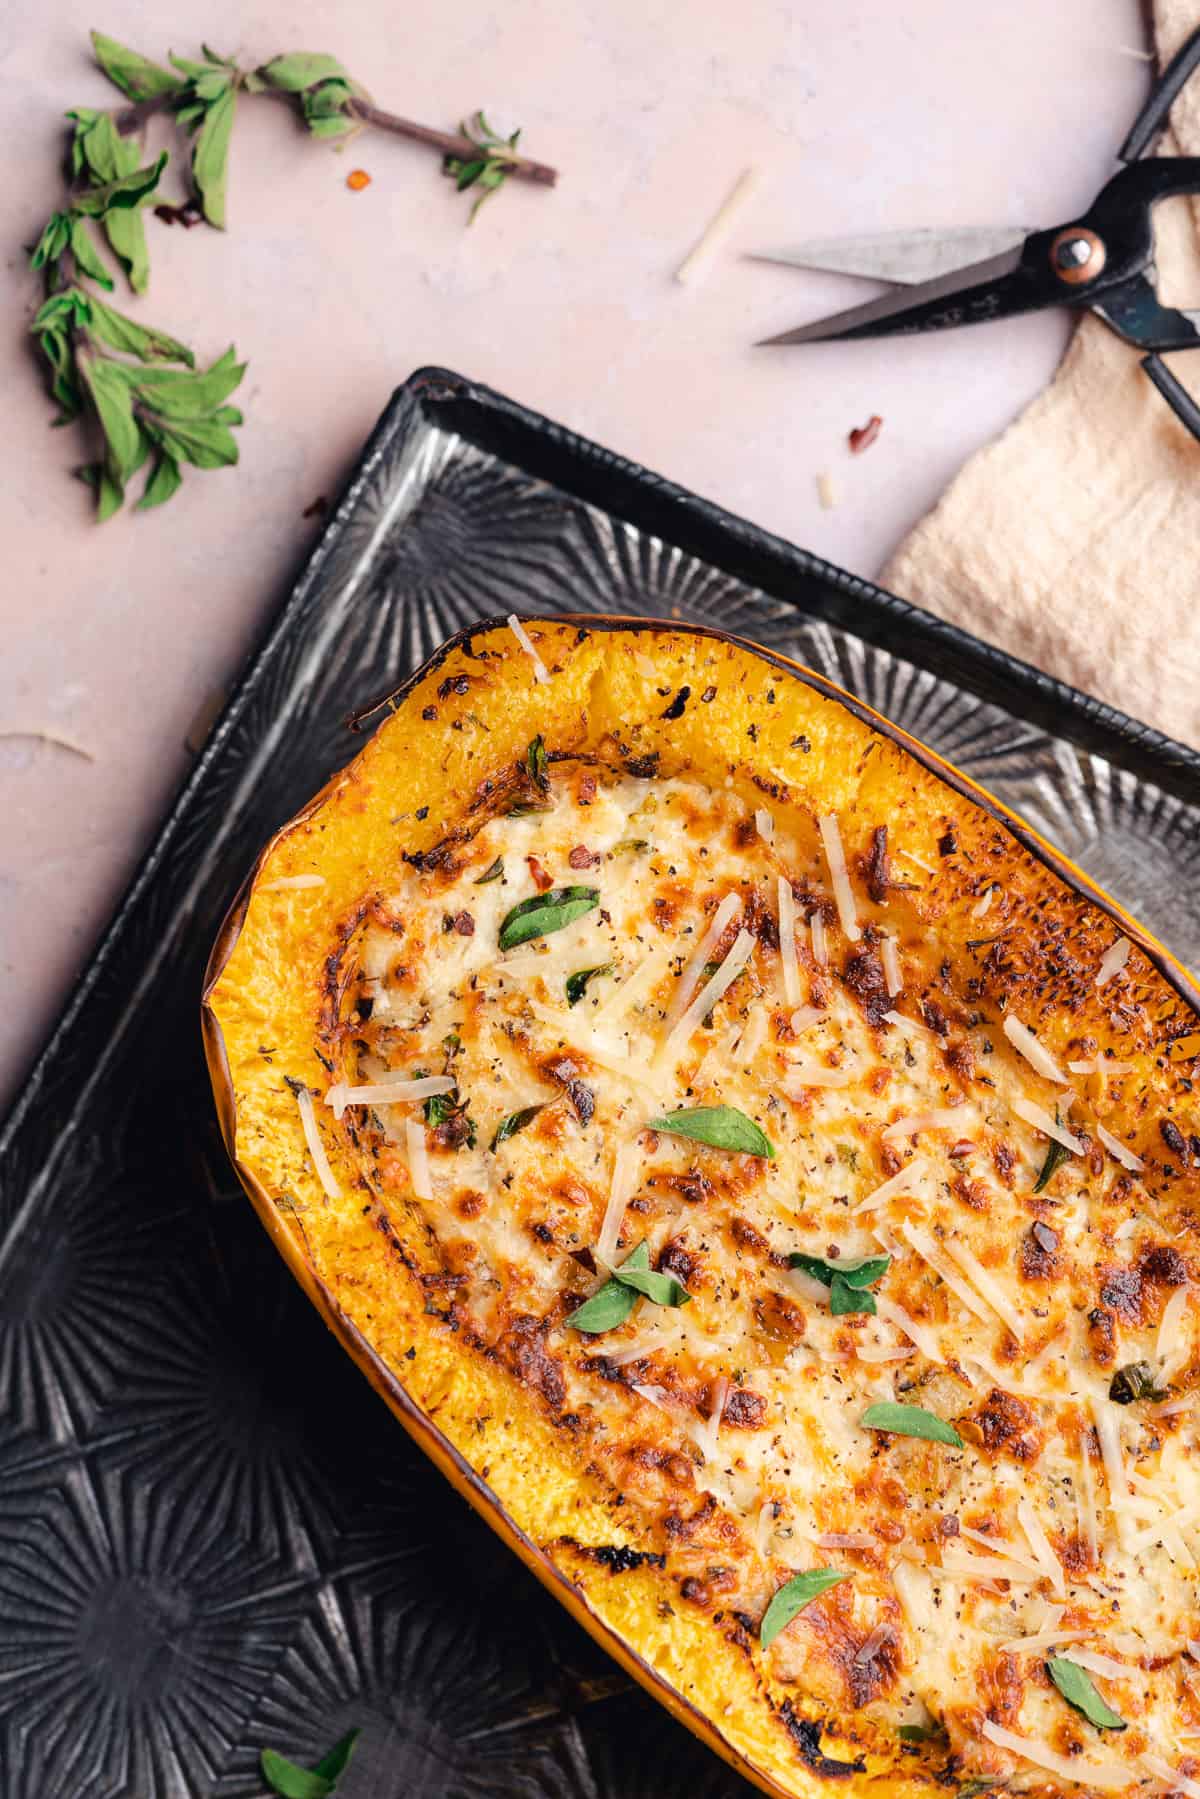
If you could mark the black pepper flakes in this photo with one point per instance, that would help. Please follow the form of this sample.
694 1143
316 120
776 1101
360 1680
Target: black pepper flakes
1172 1136
429 712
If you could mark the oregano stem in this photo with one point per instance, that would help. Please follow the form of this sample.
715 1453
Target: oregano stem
447 143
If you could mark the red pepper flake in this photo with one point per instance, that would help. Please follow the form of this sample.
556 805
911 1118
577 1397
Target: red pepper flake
865 436
541 879
464 924
357 179
582 857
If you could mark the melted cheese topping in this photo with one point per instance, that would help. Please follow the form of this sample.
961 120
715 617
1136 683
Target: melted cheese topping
734 1422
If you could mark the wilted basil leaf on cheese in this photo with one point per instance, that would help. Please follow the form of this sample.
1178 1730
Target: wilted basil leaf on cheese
793 1596
612 1303
515 1121
577 983
545 912
1078 1690
721 1127
911 1421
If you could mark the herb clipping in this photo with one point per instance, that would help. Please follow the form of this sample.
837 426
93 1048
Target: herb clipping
1078 1690
721 1127
911 1421
546 912
610 1306
847 1281
290 1781
136 390
792 1598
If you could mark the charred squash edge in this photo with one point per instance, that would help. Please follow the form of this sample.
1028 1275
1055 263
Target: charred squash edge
426 1434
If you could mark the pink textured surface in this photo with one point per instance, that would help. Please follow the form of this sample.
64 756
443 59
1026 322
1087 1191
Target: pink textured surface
860 117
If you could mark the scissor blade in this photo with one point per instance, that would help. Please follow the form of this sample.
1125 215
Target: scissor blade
987 290
900 256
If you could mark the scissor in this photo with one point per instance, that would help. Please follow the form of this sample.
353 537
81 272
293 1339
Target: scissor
1103 261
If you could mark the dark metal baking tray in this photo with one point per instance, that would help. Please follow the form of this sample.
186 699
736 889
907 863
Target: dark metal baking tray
212 1535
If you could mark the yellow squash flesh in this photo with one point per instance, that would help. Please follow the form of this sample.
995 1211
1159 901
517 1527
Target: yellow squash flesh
268 982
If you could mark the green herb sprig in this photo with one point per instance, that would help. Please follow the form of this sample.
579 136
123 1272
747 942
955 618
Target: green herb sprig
911 1421
847 1281
721 1127
611 1304
183 417
290 1781
792 1598
1078 1690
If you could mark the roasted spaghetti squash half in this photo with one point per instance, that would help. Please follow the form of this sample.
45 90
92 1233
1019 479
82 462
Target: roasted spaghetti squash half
764 1177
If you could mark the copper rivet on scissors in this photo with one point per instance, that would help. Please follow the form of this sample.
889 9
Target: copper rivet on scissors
1077 255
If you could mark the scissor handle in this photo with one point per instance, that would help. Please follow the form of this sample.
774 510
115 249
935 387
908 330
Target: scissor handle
1154 114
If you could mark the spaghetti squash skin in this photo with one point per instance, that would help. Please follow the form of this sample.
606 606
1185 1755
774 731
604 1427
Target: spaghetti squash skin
523 894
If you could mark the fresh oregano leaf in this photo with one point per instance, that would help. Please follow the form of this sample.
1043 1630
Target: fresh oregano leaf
492 873
546 912
210 155
1056 1155
165 480
303 69
577 983
113 403
516 1121
911 1421
721 1127
136 76
1137 1380
143 341
87 257
845 1299
56 236
662 1289
611 1304
124 190
853 1274
793 1596
1077 1689
536 763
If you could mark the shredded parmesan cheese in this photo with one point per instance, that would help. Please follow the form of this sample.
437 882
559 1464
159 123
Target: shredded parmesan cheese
1041 1120
292 883
705 1432
946 1118
910 1026
1171 1777
1100 1065
845 1539
813 1074
803 1019
930 1251
316 1149
540 671
787 944
1087 1506
1108 1431
1042 1548
843 893
626 1167
1035 1053
1104 1665
706 999
1112 961
816 925
418 1158
899 1183
889 955
764 824
1171 1340
985 1283
982 906
1108 1775
1116 1148
724 915
386 1093
925 1339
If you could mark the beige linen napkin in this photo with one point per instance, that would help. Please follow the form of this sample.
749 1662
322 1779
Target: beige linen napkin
1073 541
